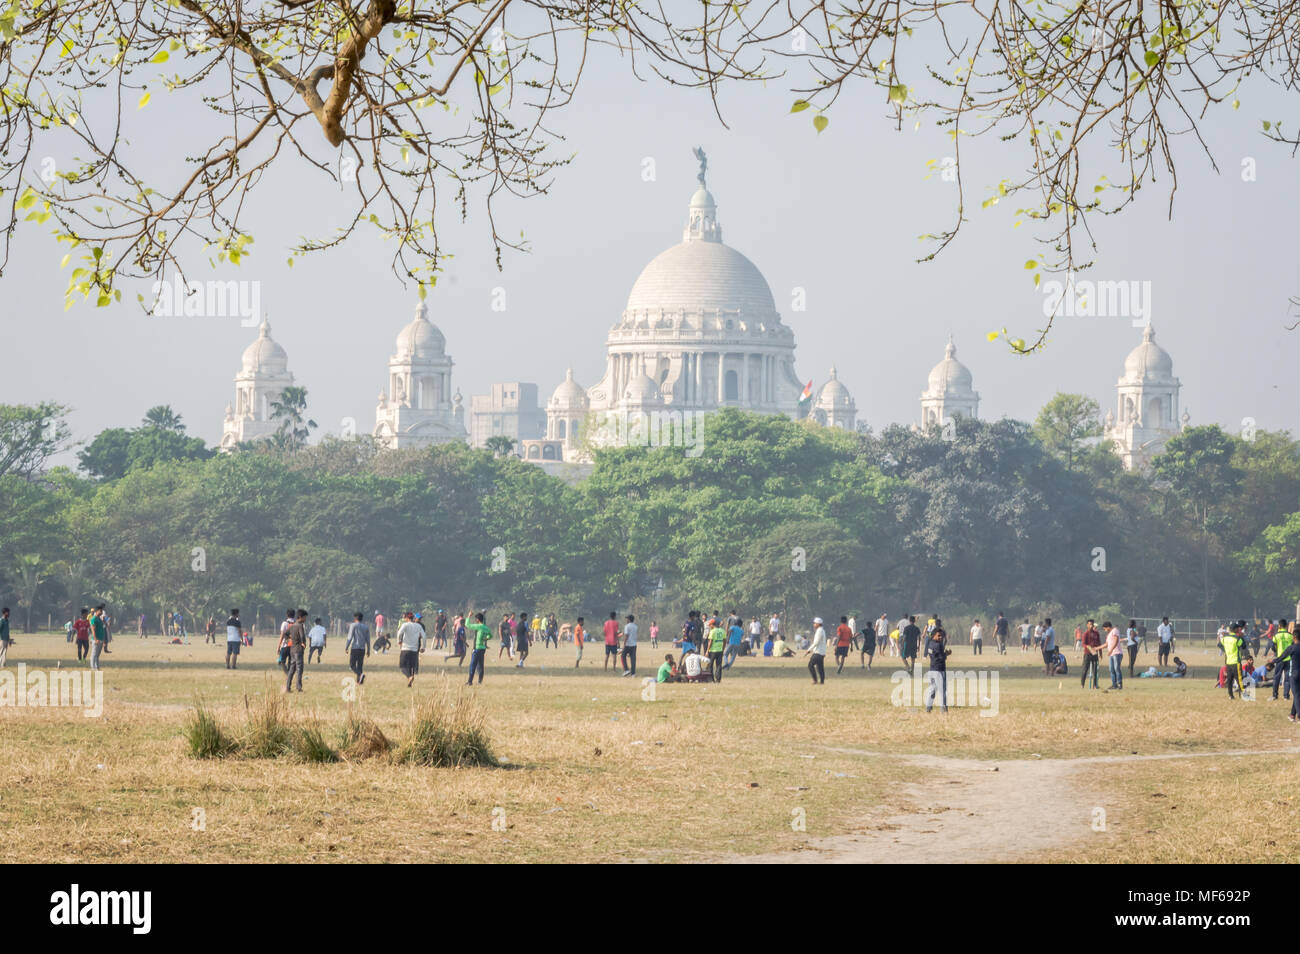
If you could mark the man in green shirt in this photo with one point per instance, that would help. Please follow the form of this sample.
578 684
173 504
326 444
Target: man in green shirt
666 670
1232 658
99 636
1281 641
481 633
717 640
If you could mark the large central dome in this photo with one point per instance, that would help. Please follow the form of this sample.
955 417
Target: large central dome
700 276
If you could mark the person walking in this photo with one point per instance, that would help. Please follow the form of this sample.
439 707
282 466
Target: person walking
506 630
1001 628
1131 644
1114 655
629 645
937 652
868 645
1282 640
579 638
523 638
482 633
843 643
735 636
358 646
410 640
297 640
816 653
911 638
977 639
440 630
882 633
316 639
716 640
283 648
1090 639
234 639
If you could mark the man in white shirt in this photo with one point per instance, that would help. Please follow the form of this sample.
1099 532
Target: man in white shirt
316 640
882 633
694 669
755 632
629 646
816 652
1166 634
977 638
410 637
774 627
234 639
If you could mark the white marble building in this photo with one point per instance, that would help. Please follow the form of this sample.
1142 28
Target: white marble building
263 375
950 391
1147 401
834 406
418 409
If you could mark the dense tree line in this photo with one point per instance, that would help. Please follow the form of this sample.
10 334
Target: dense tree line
773 513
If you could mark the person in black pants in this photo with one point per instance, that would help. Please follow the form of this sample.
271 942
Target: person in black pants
938 653
358 646
816 653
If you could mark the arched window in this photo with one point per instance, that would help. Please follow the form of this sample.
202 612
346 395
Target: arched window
532 451
548 452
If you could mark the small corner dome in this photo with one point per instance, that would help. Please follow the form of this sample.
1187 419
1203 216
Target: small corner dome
264 354
833 393
421 338
1148 360
569 394
641 388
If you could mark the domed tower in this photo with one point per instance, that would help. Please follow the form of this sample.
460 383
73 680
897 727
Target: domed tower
565 413
263 376
950 392
834 406
1147 397
702 326
417 409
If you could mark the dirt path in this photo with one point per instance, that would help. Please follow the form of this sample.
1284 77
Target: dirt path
973 811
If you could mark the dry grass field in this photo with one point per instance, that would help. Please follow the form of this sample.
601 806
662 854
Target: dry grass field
763 766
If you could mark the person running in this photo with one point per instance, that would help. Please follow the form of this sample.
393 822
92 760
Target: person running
1114 655
358 646
1001 628
458 642
482 633
843 643
735 636
868 645
1165 633
579 637
911 639
234 639
316 640
1131 644
816 653
297 639
6 639
410 640
81 634
98 633
611 640
629 645
1049 647
1232 646
716 640
1090 639
937 652
1024 636
977 638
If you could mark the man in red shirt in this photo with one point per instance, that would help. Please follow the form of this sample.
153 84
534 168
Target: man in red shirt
611 641
1091 654
81 630
843 641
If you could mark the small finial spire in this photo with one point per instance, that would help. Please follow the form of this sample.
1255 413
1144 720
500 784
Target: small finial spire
704 166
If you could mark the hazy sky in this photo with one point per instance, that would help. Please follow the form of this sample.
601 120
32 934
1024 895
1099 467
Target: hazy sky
837 214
